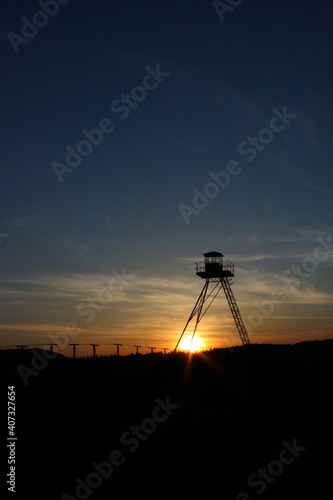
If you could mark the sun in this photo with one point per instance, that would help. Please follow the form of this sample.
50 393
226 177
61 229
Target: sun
190 345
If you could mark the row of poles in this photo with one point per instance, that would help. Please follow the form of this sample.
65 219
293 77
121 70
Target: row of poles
152 349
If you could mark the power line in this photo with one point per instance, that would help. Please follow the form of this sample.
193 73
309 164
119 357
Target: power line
74 346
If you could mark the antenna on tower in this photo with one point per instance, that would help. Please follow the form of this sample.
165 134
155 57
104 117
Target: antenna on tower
214 270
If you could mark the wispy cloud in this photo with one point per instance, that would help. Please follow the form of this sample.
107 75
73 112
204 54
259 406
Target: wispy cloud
21 221
155 306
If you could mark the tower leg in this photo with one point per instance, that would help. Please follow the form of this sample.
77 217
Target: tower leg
235 311
196 311
199 312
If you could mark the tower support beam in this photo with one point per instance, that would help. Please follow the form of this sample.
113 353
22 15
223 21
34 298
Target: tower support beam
195 312
235 311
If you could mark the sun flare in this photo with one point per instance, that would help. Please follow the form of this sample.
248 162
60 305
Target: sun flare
190 345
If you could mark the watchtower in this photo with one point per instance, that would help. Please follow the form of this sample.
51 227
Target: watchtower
215 270
214 267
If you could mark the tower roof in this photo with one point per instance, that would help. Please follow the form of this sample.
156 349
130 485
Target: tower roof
213 254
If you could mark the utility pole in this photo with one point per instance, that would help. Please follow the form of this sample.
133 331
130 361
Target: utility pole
74 349
51 347
152 349
137 348
118 345
94 349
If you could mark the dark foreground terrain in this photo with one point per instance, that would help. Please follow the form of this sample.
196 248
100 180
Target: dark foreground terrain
252 424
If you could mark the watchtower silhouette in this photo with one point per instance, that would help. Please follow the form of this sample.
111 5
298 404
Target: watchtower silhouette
215 270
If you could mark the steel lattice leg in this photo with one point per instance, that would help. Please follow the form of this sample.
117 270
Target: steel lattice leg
196 311
199 312
235 311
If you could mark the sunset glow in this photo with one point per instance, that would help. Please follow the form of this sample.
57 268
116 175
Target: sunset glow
142 162
190 345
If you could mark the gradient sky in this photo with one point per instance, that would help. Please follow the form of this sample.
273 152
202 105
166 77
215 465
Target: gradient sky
118 213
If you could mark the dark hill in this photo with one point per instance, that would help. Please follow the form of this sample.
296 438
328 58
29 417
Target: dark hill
238 411
9 356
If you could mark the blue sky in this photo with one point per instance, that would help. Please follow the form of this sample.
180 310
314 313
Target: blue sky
119 212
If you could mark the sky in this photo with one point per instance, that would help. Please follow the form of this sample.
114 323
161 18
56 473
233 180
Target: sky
137 136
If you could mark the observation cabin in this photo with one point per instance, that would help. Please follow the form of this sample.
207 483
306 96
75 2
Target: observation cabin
214 267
